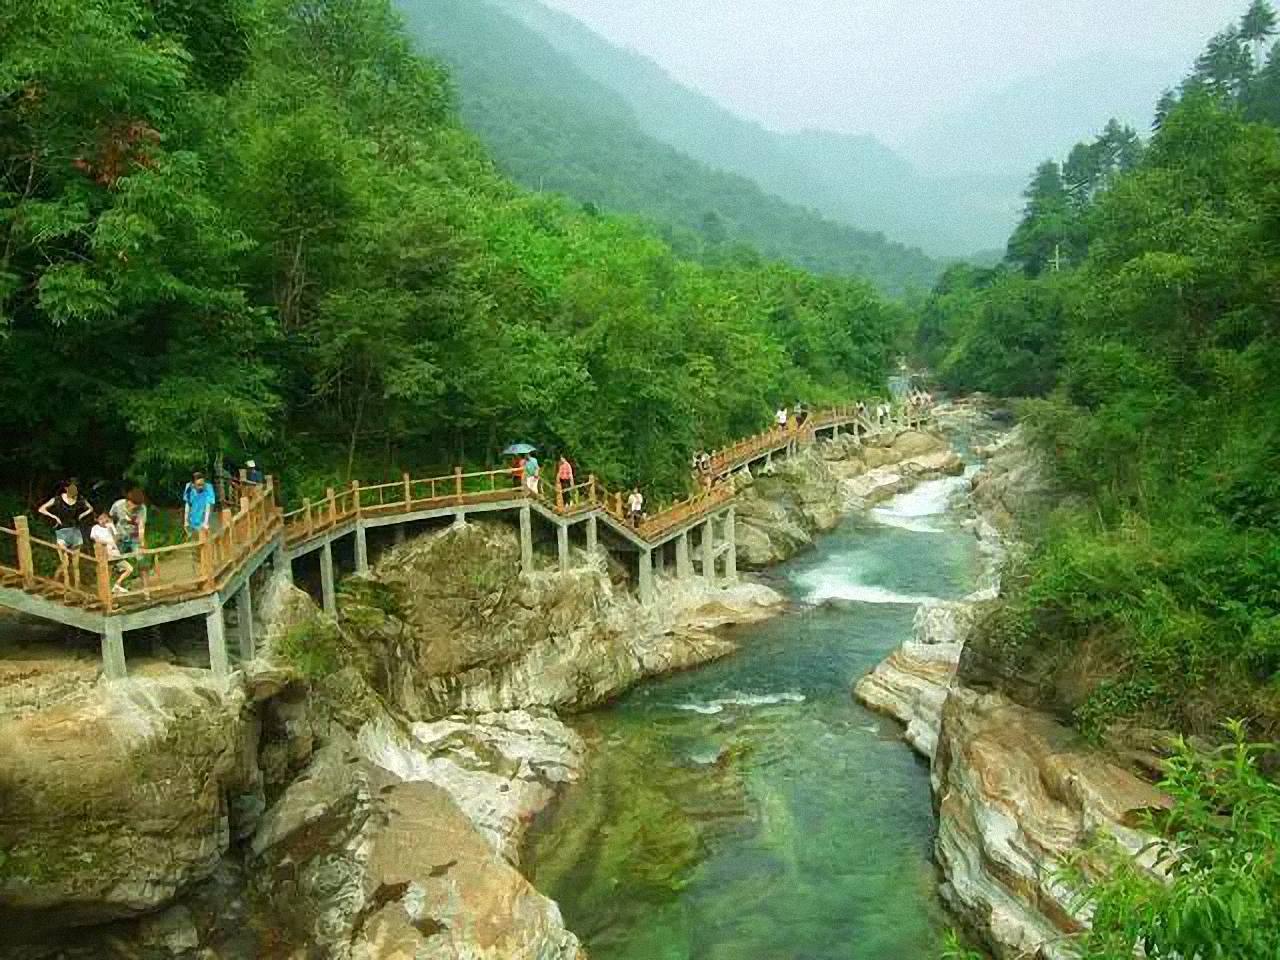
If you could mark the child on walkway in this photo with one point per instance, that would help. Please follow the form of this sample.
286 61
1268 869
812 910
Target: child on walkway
104 532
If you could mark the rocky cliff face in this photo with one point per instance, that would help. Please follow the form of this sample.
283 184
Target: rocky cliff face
450 626
1016 791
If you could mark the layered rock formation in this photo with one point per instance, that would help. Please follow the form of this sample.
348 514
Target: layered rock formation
1017 795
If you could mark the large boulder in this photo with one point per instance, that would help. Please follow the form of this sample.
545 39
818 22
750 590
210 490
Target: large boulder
359 865
781 510
114 803
1018 793
447 624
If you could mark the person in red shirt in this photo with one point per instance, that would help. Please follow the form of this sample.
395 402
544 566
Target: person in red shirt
517 472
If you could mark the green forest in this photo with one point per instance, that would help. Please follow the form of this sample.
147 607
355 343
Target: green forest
256 228
552 126
1136 315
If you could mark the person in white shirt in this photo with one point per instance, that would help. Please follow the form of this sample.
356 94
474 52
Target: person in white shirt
635 506
781 418
104 532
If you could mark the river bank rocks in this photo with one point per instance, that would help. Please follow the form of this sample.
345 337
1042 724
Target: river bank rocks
790 502
912 684
1016 791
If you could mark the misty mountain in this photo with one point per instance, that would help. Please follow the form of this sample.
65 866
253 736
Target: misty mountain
552 126
856 179
1015 128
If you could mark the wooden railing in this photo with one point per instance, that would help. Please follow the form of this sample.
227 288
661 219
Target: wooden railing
84 578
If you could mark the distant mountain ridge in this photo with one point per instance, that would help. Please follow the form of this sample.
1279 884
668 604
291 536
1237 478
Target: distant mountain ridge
852 178
551 125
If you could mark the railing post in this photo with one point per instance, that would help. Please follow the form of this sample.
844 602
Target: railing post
457 484
103 566
206 559
591 481
229 528
308 518
25 564
355 496
617 503
408 493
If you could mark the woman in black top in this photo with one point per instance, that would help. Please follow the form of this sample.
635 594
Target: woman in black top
67 510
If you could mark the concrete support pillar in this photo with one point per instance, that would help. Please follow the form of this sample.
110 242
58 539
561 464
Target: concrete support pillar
215 628
646 576
362 548
660 560
328 593
399 534
562 545
731 538
593 536
113 665
683 566
459 519
526 540
281 564
244 614
709 552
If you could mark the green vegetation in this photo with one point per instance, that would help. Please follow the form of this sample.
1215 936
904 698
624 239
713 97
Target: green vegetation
1136 307
254 227
556 125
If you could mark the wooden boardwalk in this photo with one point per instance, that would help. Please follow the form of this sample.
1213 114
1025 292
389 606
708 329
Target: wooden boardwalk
200 577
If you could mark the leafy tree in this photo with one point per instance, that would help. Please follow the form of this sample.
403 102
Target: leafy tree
1218 848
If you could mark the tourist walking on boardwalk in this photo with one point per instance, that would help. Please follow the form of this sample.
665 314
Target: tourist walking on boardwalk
564 475
67 510
104 532
129 514
532 473
780 418
635 506
517 471
197 505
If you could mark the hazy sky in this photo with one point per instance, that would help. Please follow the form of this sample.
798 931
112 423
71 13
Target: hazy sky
888 67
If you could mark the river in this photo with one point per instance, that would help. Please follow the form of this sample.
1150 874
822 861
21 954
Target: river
751 809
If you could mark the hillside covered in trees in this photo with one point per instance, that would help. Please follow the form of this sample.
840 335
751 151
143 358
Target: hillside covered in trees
555 126
256 227
1137 314
851 178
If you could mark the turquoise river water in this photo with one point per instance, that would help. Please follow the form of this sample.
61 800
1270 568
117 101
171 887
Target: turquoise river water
751 809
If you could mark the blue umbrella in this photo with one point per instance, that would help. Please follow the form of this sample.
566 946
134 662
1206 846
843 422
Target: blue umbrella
517 449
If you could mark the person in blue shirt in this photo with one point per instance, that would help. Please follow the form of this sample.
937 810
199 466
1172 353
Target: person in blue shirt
198 499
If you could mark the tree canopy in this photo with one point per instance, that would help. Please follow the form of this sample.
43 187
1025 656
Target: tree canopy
256 227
